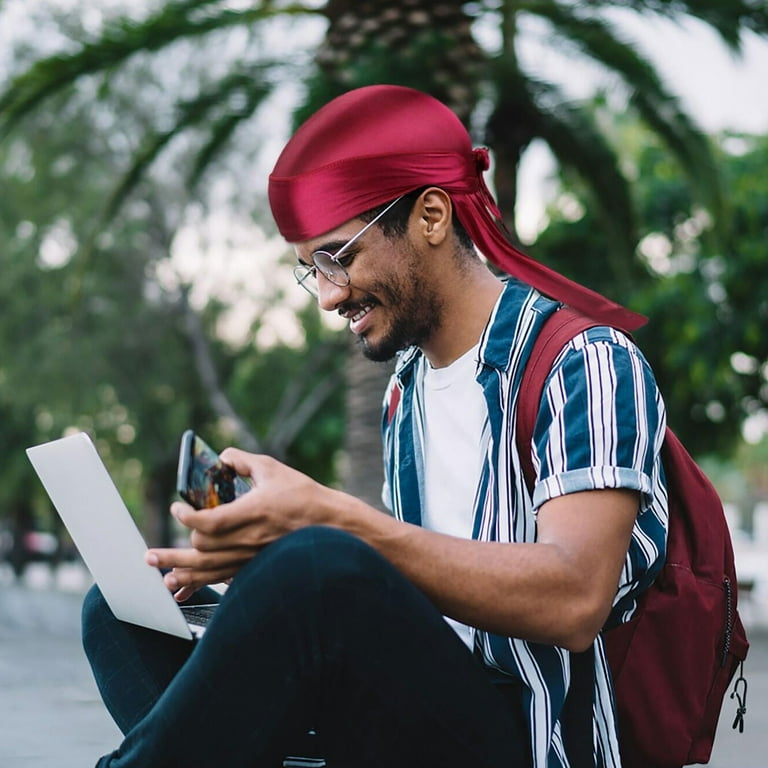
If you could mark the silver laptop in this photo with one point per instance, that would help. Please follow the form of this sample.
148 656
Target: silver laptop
107 538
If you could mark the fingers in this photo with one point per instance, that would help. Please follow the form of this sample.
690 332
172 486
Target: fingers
243 462
184 582
214 521
183 594
189 569
194 559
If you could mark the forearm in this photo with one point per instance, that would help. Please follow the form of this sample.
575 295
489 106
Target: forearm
558 590
520 590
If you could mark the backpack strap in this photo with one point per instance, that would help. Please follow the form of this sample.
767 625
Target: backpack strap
558 329
576 718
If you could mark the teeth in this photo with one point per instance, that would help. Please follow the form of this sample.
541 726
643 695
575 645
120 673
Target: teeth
362 313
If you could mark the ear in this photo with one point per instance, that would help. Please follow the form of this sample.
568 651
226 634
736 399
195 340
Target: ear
435 215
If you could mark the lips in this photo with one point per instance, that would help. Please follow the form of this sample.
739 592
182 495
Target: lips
358 317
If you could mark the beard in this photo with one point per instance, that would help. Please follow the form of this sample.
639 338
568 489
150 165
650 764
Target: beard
415 312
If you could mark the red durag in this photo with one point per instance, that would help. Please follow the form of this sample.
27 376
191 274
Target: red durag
372 144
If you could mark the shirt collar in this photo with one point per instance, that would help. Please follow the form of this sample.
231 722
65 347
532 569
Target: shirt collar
518 306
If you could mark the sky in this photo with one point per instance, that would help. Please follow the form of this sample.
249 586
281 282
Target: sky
720 90
723 91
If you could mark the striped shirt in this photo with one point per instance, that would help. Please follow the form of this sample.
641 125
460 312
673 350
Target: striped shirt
600 425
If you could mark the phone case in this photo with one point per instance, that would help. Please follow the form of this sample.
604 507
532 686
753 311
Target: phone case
204 480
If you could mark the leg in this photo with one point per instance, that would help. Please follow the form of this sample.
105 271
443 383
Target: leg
320 630
132 665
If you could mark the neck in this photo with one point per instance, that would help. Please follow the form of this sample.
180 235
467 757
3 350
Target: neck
468 304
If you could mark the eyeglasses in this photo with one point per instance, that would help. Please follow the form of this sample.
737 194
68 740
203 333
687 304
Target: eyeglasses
333 265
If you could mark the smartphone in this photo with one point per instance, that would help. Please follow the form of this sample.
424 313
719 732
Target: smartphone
203 479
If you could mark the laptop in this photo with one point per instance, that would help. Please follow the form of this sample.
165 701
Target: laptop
108 539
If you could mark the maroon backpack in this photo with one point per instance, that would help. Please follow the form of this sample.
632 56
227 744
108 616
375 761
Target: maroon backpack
673 661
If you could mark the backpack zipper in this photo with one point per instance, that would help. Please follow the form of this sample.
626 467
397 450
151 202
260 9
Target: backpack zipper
728 620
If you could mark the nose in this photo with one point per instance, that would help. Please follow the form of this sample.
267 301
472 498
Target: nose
329 295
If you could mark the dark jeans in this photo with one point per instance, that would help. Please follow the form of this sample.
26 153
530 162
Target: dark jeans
316 632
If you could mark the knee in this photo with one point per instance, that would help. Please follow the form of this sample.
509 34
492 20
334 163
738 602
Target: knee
94 606
327 554
319 559
94 613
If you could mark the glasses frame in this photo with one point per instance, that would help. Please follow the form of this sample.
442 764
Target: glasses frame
306 275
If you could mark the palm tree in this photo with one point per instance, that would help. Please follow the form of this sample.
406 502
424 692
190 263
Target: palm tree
429 45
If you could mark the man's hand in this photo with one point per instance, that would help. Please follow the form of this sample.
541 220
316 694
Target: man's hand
224 538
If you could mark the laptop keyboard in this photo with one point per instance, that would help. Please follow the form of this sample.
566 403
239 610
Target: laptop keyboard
199 614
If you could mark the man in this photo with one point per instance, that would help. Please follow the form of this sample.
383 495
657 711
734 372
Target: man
441 635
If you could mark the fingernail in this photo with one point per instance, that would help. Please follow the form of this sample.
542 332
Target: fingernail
152 559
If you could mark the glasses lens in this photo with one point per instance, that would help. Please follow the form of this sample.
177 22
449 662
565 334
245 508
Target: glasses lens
330 268
305 277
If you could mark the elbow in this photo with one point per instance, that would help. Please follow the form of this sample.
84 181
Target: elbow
577 642
580 625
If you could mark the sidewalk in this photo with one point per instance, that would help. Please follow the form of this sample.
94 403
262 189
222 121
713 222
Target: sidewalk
51 715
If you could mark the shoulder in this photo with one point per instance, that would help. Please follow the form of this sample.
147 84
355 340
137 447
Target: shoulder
606 350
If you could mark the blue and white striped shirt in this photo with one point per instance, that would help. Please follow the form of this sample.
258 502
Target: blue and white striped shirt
600 425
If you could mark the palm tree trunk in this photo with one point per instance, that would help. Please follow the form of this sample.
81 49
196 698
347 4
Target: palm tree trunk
362 467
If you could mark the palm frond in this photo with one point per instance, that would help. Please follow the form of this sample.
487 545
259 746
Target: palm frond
252 93
192 112
529 108
581 148
728 18
121 39
659 108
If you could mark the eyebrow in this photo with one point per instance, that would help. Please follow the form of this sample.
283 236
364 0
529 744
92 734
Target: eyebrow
332 246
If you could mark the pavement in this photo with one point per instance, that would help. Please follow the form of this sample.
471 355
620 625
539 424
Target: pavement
51 715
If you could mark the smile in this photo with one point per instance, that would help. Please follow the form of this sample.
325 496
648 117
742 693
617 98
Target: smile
361 313
357 317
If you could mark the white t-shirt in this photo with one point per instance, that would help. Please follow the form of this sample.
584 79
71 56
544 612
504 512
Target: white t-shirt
454 416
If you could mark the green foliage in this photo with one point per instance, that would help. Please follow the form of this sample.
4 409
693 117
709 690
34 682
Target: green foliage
243 88
121 39
294 397
73 340
706 302
526 108
220 102
103 344
369 43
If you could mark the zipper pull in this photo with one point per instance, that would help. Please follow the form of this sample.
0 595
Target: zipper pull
742 700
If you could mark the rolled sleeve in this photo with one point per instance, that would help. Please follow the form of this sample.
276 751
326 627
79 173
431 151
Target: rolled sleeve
601 420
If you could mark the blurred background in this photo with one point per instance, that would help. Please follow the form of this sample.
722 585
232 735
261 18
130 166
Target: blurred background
145 290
